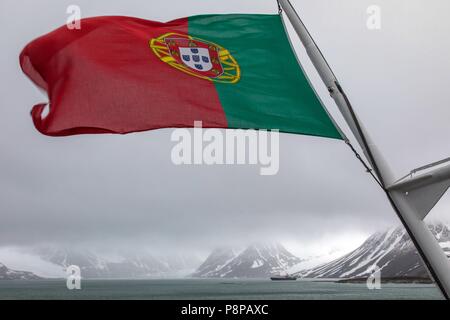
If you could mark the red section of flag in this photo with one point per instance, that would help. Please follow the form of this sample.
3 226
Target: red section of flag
104 78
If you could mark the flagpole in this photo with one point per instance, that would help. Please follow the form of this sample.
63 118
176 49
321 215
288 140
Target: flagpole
429 249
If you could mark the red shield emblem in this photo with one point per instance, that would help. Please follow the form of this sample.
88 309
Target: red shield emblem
200 57
196 57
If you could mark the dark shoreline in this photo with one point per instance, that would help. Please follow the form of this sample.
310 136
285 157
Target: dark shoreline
402 280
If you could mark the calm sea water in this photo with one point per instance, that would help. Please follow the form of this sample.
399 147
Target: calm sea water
204 289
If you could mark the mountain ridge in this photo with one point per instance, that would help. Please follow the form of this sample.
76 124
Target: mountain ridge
392 251
10 274
255 261
125 265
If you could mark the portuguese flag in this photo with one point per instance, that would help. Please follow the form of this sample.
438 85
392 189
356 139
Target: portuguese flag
122 74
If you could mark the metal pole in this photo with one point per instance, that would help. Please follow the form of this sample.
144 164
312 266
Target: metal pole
429 249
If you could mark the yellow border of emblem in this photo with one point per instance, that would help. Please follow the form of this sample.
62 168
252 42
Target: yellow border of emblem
231 69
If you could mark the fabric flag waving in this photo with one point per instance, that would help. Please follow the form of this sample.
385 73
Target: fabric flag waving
122 74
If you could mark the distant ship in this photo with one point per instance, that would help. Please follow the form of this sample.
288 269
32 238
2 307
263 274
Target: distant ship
285 277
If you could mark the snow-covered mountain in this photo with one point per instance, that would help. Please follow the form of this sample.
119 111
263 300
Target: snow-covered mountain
142 265
8 274
392 251
219 258
255 261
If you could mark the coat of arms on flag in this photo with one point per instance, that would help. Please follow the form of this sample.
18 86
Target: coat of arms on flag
196 57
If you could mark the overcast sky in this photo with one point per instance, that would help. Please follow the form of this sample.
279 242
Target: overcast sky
111 190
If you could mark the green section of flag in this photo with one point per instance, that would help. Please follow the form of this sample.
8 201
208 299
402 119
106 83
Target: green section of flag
273 92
